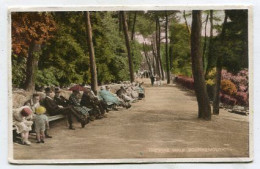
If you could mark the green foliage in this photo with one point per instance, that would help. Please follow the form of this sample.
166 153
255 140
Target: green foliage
67 52
179 39
234 48
18 70
145 23
46 77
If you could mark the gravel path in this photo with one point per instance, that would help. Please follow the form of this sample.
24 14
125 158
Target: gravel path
163 125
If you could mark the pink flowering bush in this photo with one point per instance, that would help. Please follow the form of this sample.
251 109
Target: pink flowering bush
226 99
185 81
242 98
240 79
241 82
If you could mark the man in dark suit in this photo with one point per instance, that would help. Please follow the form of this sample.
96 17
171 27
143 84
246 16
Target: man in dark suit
90 100
54 109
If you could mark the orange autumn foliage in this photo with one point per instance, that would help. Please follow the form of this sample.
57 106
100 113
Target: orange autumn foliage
30 27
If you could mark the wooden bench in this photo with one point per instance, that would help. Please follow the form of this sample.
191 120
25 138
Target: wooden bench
51 118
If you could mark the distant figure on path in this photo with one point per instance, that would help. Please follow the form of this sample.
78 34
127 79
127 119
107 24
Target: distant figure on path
152 79
158 80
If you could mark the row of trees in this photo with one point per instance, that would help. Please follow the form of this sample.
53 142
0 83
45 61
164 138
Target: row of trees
63 56
60 48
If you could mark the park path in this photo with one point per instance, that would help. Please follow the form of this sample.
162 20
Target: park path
163 125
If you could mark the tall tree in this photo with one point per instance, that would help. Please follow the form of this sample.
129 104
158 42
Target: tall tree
148 61
29 31
205 41
166 48
93 68
204 110
158 45
32 65
219 70
133 27
127 42
157 67
171 56
210 53
186 22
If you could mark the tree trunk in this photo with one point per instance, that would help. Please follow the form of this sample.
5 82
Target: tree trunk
119 22
129 19
31 66
130 62
166 49
133 27
159 48
171 56
205 42
219 70
147 58
157 70
204 110
186 23
155 47
210 53
93 69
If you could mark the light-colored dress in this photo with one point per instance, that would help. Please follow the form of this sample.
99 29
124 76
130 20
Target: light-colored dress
21 123
108 97
40 122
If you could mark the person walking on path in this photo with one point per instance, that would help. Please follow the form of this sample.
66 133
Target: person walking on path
152 79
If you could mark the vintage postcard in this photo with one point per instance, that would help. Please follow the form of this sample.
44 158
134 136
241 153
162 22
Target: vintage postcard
130 84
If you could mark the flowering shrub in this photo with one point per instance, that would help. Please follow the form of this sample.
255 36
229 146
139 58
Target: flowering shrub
226 99
242 98
228 87
210 78
240 79
185 81
234 88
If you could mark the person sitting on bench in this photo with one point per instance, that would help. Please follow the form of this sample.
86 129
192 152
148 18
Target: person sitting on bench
121 93
59 99
111 99
22 121
34 102
75 102
91 101
54 109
